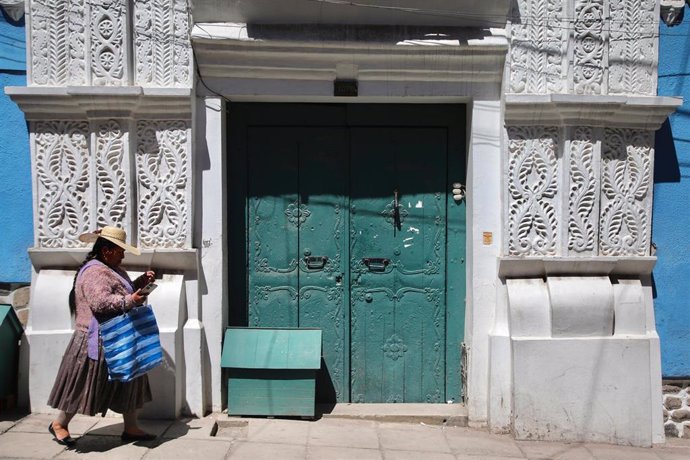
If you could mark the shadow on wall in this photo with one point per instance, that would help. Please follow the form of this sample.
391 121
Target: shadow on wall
666 167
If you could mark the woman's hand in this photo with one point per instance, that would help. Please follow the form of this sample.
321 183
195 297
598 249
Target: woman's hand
150 276
138 298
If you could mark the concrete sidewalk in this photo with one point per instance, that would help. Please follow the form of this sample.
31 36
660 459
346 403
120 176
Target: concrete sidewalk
285 439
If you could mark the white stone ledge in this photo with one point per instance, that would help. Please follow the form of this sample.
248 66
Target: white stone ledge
525 267
67 102
169 260
639 112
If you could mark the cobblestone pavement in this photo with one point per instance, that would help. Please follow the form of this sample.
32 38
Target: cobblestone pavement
326 438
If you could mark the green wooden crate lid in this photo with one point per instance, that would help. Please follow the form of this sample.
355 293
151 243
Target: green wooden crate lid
7 314
264 348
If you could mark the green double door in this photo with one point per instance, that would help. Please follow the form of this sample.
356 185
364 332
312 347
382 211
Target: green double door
351 229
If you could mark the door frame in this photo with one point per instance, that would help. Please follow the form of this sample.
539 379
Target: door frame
239 116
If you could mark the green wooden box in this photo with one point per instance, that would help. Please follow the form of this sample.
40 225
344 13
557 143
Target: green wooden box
10 333
272 371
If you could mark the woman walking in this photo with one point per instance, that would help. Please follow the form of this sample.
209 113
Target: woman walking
101 290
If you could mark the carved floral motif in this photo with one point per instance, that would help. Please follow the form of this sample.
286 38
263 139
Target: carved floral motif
162 164
588 44
584 192
631 54
108 20
62 169
537 47
625 201
532 187
162 43
110 174
57 42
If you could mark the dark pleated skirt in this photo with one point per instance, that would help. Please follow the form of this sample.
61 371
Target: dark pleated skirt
82 385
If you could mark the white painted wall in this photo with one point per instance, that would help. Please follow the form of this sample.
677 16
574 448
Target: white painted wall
211 160
483 216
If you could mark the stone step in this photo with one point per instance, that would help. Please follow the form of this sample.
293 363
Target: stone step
432 414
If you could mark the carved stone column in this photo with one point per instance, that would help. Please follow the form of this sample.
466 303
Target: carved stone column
109 106
580 116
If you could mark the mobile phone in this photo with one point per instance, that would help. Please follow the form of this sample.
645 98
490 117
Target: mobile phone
146 290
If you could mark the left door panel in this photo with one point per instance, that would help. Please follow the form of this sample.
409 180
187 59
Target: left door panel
297 240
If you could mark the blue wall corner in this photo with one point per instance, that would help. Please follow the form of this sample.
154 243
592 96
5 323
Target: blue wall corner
671 231
16 212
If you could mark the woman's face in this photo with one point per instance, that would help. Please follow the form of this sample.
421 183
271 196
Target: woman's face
113 256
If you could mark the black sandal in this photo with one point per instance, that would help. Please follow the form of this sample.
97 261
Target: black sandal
68 441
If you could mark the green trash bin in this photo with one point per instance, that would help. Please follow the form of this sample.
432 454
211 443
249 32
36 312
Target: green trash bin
10 333
272 371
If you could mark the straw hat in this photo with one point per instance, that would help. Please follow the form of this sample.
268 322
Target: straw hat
112 234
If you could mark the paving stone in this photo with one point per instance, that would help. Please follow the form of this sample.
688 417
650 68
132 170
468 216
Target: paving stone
575 452
416 455
192 428
28 445
345 433
413 437
109 447
113 426
209 449
482 444
544 449
255 451
671 454
6 425
278 431
348 453
611 452
38 423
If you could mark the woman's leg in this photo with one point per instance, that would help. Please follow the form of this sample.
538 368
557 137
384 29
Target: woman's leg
131 423
61 424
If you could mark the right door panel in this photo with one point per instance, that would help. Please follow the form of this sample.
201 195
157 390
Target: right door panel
397 264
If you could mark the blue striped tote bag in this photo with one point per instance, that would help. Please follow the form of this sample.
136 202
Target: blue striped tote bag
131 344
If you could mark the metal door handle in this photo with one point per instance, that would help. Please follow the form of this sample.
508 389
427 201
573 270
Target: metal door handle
315 262
376 264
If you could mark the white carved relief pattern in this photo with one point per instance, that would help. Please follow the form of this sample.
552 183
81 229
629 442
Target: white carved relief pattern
62 169
162 176
631 53
57 42
584 190
532 189
110 174
588 52
626 180
108 22
162 43
537 47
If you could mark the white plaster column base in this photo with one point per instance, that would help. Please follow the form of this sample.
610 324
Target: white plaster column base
194 337
47 335
584 389
168 302
45 349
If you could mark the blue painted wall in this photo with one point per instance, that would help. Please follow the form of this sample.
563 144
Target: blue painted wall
671 231
16 214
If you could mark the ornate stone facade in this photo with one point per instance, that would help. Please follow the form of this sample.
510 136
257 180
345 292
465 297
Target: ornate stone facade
85 166
605 174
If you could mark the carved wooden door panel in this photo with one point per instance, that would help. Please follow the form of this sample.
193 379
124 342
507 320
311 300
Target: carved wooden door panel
398 264
350 228
298 240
